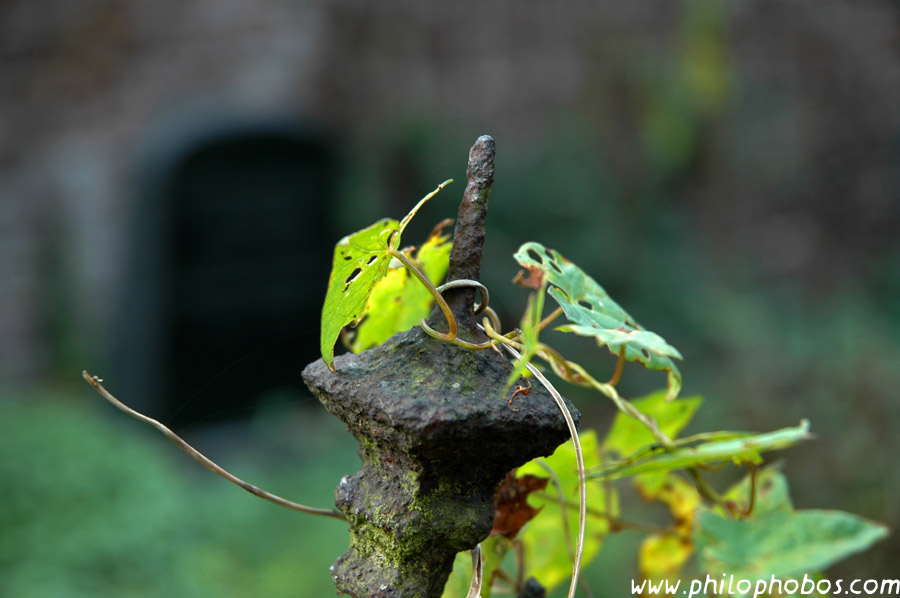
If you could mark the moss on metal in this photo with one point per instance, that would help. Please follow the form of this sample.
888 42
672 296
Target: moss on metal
436 432
436 436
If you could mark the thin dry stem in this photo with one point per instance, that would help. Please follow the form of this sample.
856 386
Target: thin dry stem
477 571
620 365
752 500
549 319
204 460
579 460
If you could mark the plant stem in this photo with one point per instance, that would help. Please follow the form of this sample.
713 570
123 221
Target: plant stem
477 569
442 303
204 460
705 490
620 365
752 500
549 319
579 460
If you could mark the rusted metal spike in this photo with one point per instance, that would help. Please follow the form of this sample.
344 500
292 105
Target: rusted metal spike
436 435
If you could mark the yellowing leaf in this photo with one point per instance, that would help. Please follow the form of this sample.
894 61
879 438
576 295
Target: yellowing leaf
663 555
593 313
682 499
399 301
360 261
548 547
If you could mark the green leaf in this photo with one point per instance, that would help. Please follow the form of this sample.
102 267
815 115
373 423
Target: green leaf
493 550
457 585
360 261
399 301
593 313
781 543
627 435
772 492
548 548
741 449
530 321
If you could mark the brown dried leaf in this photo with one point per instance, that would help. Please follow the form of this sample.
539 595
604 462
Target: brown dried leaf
535 278
511 508
438 230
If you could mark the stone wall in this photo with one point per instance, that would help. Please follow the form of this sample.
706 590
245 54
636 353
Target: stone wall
86 85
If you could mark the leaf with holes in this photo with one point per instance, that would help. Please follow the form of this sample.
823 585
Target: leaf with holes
398 301
592 312
360 261
742 449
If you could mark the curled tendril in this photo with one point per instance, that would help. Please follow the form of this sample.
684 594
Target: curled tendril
479 308
465 283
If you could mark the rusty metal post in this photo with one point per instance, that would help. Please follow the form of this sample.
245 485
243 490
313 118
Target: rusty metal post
436 434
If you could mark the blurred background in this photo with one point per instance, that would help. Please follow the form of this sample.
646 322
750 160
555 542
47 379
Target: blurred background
173 176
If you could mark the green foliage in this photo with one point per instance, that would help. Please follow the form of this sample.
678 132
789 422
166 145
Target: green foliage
750 529
593 313
494 551
774 539
742 448
397 302
781 542
770 492
549 538
530 321
360 261
627 435
90 507
78 525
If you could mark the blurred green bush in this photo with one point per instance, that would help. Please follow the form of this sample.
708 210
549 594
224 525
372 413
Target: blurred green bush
97 506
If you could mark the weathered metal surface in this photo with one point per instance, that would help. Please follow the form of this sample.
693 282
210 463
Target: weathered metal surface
436 435
468 237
